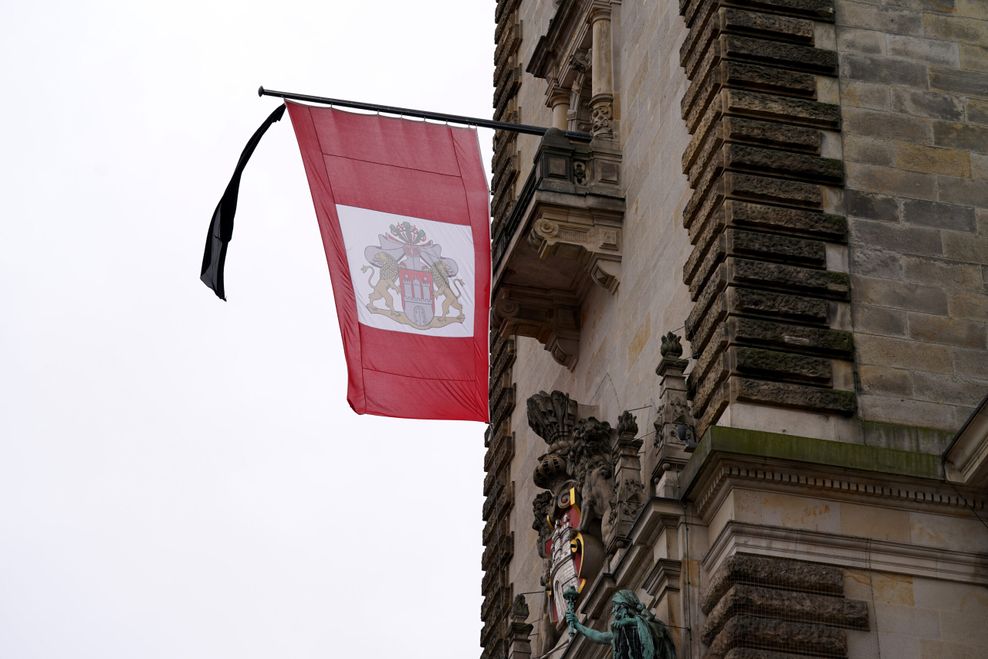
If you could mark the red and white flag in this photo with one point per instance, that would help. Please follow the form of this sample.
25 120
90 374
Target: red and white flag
403 208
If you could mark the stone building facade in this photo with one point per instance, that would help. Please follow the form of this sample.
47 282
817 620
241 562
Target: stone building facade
740 326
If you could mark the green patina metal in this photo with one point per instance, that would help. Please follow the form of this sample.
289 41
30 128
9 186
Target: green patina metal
820 452
634 632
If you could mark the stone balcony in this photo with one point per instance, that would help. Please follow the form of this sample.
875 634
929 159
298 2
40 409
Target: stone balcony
562 237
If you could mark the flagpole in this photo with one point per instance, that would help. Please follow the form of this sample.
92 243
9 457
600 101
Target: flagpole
421 114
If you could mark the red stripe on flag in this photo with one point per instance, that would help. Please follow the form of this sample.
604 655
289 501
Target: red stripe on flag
403 209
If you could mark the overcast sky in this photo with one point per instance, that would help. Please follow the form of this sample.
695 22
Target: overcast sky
182 477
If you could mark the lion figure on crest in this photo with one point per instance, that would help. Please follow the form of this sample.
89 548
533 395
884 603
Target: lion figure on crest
386 280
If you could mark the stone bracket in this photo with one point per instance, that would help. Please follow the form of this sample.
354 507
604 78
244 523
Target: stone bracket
563 237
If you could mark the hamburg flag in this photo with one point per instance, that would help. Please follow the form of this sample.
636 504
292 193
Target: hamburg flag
404 216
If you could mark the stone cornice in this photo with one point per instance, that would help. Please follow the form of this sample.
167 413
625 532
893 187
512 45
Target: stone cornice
848 552
731 457
720 440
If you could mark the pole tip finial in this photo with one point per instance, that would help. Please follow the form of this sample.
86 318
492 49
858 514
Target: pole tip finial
260 90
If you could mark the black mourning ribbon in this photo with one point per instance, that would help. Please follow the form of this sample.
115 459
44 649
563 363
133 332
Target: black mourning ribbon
221 226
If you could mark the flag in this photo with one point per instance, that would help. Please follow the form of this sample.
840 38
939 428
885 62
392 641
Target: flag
221 225
403 209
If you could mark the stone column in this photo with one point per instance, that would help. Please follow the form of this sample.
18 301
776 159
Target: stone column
559 102
602 81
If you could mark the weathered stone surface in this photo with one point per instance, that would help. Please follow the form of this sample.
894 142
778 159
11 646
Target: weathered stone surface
867 150
795 307
887 126
871 206
952 331
972 83
738 129
961 136
822 10
776 161
938 215
858 94
900 295
927 50
778 365
926 104
748 186
779 27
774 572
950 28
885 351
886 19
932 160
707 294
793 395
879 320
776 247
854 40
805 58
789 220
793 606
977 111
766 633
768 78
881 380
872 68
963 191
710 383
786 110
804 280
890 181
814 340
876 263
706 324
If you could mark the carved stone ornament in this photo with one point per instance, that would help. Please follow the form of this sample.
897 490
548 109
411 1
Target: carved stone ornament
591 475
602 116
675 434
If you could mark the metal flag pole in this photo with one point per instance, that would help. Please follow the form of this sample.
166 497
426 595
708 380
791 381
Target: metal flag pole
421 114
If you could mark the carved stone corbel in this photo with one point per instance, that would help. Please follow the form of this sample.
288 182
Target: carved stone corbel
550 317
569 234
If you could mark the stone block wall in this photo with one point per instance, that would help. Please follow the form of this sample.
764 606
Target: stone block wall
914 104
767 272
915 617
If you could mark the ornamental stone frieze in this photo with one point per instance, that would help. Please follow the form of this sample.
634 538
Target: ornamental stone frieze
591 475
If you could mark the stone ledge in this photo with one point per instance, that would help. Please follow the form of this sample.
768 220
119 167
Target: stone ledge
720 440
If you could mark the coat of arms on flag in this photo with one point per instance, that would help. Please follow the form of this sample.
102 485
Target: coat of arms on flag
413 267
409 274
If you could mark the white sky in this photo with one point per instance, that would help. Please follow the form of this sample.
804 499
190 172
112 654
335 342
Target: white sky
181 477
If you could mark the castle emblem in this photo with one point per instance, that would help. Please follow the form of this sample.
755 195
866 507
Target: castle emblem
414 272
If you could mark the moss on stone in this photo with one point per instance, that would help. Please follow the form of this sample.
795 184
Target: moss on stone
762 444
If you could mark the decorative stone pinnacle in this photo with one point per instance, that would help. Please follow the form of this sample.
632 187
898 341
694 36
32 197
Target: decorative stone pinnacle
672 347
627 424
519 609
552 416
